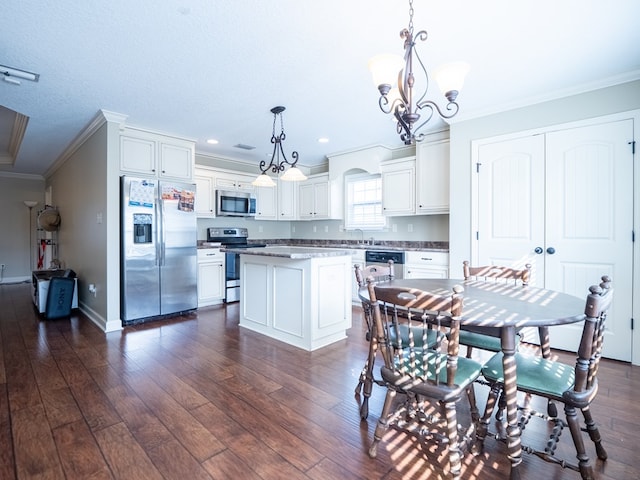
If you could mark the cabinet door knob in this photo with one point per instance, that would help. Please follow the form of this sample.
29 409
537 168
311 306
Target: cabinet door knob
538 250
551 250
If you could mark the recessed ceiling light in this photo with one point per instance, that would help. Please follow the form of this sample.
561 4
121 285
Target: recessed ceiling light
323 140
212 141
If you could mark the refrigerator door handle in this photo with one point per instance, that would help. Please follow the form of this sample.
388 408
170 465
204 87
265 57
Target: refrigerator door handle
159 224
161 227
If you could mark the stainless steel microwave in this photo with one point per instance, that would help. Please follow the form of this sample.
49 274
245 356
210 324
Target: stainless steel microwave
235 204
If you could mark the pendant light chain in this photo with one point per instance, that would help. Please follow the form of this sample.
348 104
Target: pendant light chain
410 108
411 18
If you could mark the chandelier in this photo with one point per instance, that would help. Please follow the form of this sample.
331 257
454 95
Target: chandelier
405 104
276 165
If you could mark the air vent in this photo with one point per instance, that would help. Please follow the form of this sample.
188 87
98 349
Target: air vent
244 147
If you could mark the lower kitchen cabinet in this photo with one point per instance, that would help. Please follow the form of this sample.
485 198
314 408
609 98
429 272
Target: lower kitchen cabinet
426 264
211 287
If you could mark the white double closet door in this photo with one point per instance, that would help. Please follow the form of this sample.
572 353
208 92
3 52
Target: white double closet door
563 202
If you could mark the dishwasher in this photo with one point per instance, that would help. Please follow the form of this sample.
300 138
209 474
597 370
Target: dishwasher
381 257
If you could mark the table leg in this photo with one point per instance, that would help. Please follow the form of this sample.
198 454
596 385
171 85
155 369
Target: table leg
545 343
545 348
511 395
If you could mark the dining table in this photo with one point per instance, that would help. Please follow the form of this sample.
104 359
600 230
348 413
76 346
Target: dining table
502 309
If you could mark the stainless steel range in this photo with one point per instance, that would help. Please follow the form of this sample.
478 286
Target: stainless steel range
236 238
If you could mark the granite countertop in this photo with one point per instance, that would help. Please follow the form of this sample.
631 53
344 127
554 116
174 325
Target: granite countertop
351 244
298 253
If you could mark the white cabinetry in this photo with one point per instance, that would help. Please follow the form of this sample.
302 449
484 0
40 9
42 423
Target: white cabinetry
210 276
304 302
426 264
317 200
277 203
205 195
398 187
266 203
230 181
146 153
287 200
432 178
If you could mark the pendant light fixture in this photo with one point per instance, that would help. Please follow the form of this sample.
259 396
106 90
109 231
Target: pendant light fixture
277 165
405 104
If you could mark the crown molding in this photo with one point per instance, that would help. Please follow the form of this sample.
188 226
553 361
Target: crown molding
102 117
18 130
21 176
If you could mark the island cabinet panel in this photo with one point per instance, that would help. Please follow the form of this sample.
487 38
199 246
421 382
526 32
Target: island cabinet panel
256 305
288 305
305 302
332 284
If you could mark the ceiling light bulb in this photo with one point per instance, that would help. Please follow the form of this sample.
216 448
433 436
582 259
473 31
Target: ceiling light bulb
11 80
212 141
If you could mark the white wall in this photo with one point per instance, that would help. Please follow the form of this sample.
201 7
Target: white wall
15 224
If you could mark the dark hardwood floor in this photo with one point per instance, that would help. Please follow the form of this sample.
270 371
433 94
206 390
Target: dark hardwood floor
197 398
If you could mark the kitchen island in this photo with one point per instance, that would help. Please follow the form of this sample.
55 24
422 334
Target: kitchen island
298 295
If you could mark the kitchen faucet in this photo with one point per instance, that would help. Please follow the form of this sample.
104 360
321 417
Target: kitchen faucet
361 235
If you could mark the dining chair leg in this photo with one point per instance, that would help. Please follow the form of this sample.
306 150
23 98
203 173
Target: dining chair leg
383 423
483 423
594 433
361 379
455 454
367 382
586 470
473 405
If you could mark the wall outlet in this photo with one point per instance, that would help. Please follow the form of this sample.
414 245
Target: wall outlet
410 227
260 229
394 227
315 229
326 229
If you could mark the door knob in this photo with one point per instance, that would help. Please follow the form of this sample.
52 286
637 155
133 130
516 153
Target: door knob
538 250
551 250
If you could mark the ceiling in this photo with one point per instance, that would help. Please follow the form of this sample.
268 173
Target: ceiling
205 69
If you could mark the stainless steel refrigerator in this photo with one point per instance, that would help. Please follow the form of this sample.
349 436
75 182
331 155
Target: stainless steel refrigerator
158 249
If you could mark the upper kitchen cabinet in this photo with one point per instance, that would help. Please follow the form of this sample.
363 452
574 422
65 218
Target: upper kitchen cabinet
161 156
319 198
432 178
287 200
398 187
205 195
266 203
277 203
232 181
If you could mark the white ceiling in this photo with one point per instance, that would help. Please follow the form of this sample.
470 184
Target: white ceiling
206 68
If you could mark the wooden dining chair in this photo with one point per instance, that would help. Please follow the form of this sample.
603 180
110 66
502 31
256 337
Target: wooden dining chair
489 339
366 379
432 380
574 386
